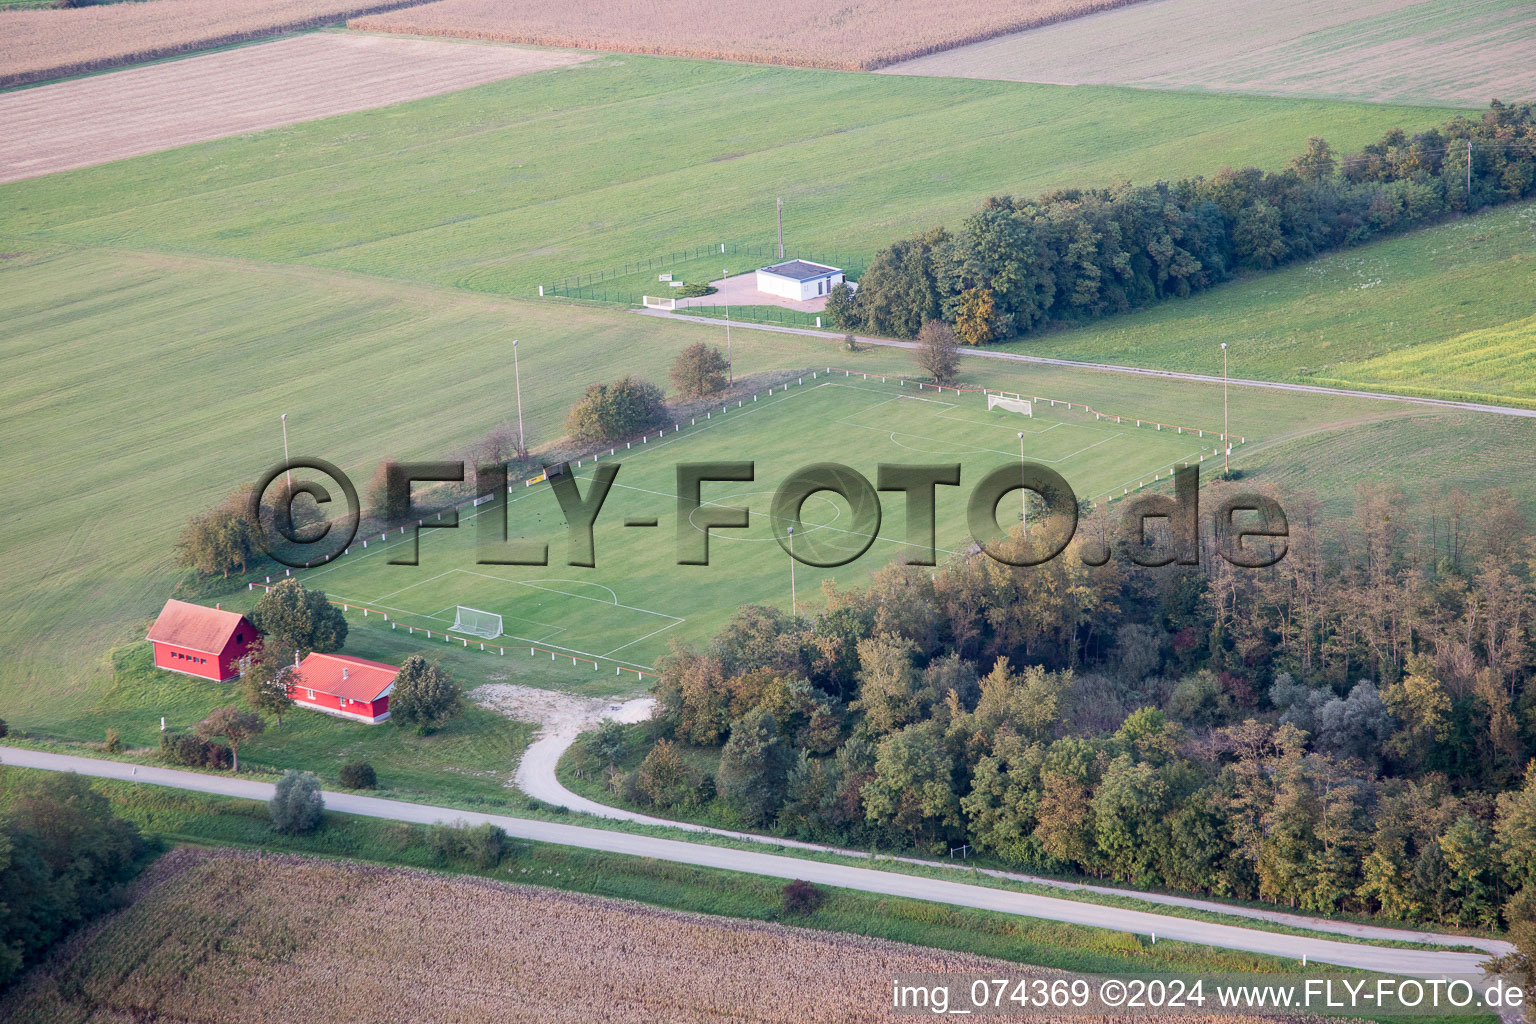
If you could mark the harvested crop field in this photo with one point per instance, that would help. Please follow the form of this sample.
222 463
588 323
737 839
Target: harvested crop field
141 110
36 45
855 36
218 937
1447 52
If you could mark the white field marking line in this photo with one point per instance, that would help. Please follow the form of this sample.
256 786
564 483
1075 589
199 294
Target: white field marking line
769 515
837 514
696 429
1191 459
647 636
579 597
579 583
1080 451
418 583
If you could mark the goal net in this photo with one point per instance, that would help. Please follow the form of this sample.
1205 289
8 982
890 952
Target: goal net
1017 405
475 622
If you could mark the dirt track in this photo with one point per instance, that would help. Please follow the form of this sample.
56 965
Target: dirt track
126 113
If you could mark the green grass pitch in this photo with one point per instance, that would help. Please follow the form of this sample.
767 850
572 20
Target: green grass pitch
636 599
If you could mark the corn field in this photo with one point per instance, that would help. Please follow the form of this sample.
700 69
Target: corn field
36 45
223 936
861 35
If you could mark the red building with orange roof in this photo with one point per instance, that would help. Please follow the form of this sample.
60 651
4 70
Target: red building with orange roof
344 686
200 641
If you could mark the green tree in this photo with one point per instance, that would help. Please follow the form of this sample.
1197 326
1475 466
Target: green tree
699 370
1515 833
1130 807
221 540
234 725
612 412
913 789
291 617
296 806
753 766
665 777
266 680
937 354
890 695
1316 165
425 696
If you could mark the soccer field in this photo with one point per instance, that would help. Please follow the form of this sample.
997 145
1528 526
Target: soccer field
625 610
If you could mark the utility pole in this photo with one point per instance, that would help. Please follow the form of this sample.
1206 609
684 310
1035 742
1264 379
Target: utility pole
1023 491
286 464
730 377
517 375
1226 442
794 611
781 225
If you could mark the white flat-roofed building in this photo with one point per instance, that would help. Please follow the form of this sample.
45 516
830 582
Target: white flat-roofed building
800 280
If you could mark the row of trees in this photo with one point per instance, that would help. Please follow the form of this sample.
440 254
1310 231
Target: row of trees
1075 255
1351 729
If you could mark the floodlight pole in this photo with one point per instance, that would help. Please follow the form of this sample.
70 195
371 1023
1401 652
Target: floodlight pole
1226 441
1023 491
781 213
725 286
794 611
286 464
517 376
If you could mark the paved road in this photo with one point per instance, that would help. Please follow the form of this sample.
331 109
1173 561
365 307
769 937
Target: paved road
1141 371
1409 962
536 777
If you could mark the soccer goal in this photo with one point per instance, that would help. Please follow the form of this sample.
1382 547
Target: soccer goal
475 622
1017 405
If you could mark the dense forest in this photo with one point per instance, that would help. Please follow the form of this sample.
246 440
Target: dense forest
1348 730
1075 255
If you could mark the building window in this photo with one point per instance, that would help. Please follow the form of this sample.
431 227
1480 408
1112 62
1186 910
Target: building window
311 694
239 638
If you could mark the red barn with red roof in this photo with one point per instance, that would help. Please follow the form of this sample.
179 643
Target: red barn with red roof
200 641
344 686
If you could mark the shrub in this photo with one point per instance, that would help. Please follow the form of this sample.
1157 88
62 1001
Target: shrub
296 805
358 775
389 508
699 370
193 751
481 846
802 898
696 290
4 729
851 343
609 412
665 778
113 743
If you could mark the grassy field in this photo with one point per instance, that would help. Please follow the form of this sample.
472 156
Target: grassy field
1452 52
638 598
1445 312
511 185
162 312
108 406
